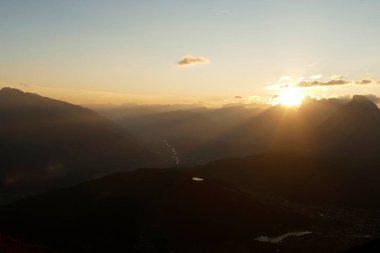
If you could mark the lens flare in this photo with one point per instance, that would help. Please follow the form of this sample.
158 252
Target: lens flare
290 97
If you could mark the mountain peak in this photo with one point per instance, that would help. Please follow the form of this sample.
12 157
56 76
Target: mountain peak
10 91
363 103
360 99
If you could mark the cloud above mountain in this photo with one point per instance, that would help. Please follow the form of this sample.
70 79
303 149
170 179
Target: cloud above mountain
321 83
189 60
335 81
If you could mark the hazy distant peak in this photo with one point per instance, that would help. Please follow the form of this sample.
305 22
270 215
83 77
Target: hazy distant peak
10 91
360 99
363 103
10 97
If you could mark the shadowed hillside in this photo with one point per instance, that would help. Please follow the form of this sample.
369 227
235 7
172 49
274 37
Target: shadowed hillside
353 130
44 142
235 205
304 194
148 211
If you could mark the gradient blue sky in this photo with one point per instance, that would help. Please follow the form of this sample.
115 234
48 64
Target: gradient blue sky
132 46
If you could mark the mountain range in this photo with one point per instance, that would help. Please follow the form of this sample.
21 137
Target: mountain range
45 143
238 179
326 126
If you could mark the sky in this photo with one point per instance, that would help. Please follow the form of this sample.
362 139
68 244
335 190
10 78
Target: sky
92 51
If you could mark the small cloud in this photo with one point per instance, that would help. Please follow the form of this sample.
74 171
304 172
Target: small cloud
337 82
316 77
284 79
300 79
336 77
189 60
238 97
224 11
364 81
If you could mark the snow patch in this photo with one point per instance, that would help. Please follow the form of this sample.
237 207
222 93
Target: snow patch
279 239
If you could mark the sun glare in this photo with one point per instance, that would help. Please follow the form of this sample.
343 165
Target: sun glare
290 97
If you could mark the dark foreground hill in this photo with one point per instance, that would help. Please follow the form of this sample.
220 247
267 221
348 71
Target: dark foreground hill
148 211
45 142
268 203
369 247
309 179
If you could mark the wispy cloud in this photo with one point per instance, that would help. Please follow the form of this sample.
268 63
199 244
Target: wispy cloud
189 60
337 81
224 11
336 77
364 81
316 80
316 77
320 83
284 79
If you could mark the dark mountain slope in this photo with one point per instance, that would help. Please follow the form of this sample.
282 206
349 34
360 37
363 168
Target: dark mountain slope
45 141
317 180
353 130
370 247
148 211
279 128
13 245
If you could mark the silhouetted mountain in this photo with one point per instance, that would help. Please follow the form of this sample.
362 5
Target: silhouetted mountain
276 127
353 130
45 142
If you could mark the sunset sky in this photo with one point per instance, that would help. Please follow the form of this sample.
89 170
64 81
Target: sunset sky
158 51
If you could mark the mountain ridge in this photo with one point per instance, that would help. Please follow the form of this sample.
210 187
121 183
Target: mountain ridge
45 141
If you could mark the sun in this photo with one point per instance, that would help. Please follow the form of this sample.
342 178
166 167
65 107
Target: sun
290 97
